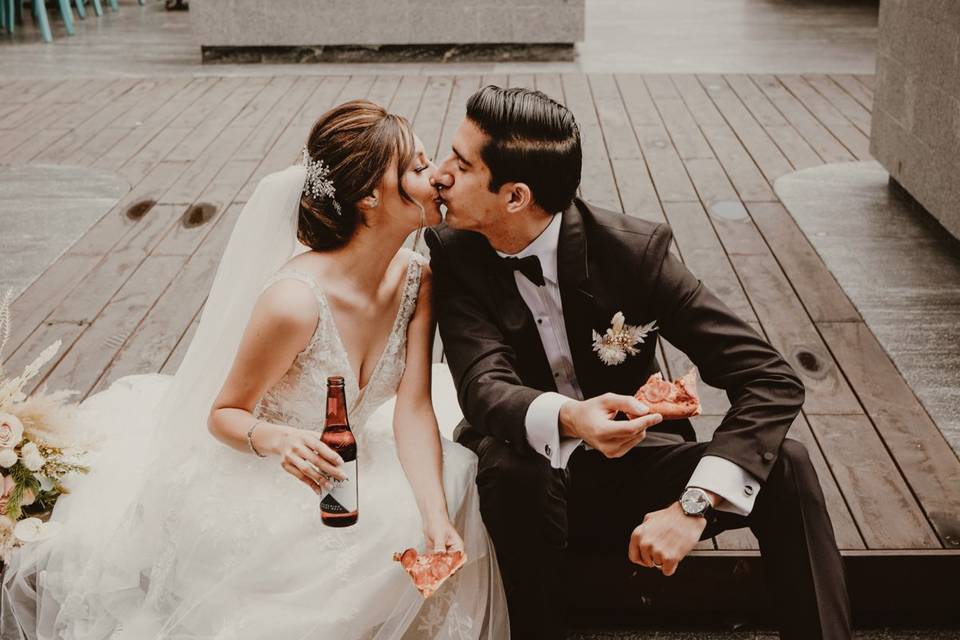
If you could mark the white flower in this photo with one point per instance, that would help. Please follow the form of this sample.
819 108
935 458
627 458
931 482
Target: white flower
31 456
8 458
45 483
11 430
620 340
34 529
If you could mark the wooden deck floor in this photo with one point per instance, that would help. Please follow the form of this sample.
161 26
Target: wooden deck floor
700 152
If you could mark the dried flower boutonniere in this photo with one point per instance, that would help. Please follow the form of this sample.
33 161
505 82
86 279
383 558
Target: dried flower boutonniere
620 340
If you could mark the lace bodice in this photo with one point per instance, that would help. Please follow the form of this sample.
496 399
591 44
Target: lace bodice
299 398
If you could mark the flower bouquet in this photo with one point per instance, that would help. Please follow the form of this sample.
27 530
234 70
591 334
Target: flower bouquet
38 450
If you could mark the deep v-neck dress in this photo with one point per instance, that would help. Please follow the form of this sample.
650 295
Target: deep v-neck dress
245 555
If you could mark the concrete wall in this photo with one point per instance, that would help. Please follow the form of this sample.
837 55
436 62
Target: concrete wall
255 23
916 114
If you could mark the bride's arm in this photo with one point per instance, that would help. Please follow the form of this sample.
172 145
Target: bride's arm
415 424
281 325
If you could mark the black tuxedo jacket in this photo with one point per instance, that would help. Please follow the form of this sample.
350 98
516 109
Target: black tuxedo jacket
607 262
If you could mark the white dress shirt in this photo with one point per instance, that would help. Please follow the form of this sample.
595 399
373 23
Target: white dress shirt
730 481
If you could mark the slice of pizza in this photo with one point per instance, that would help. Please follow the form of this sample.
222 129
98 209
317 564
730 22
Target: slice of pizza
430 570
672 400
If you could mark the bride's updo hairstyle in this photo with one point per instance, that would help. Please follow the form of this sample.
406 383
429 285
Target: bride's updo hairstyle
356 142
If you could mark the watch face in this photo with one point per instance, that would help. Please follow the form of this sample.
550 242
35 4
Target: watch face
694 502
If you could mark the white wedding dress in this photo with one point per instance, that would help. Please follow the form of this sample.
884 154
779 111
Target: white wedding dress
217 544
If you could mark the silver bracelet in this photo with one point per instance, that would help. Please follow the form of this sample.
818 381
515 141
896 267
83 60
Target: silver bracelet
250 439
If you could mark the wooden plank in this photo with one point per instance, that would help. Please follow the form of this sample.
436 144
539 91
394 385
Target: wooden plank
550 84
877 495
841 101
217 119
383 89
636 189
845 528
95 347
29 91
613 120
34 304
42 337
463 88
767 156
259 143
497 79
687 138
816 135
596 183
34 145
173 362
662 161
102 112
867 80
637 100
848 134
154 341
407 99
746 176
287 147
116 225
150 99
916 444
816 287
667 171
792 333
188 187
697 101
428 122
753 99
704 255
523 80
855 89
724 143
152 125
99 134
660 86
791 143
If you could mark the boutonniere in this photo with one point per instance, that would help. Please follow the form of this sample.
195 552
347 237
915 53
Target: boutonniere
620 340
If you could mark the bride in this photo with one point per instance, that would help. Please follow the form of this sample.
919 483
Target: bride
194 522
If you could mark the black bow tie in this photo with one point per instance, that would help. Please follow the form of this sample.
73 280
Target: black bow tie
529 266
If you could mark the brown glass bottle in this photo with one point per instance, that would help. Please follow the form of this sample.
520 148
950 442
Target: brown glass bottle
339 506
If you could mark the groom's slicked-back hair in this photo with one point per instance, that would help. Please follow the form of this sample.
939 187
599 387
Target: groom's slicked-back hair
531 139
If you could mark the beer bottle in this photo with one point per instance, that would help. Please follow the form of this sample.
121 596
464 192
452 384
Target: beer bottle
339 505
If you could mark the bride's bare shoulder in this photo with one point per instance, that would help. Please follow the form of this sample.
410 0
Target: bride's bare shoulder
288 304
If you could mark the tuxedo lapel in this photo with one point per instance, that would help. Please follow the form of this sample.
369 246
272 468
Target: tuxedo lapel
517 322
582 299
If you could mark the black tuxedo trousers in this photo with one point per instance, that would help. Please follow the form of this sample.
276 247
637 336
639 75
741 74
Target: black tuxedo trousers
535 514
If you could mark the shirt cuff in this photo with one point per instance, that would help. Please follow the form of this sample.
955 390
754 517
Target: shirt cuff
542 423
730 481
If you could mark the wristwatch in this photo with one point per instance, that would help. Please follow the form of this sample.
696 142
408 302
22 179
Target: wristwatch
694 502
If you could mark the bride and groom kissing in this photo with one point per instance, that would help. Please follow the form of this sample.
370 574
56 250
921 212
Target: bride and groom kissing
189 525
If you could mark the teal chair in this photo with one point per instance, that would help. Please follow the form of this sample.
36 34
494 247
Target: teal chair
13 10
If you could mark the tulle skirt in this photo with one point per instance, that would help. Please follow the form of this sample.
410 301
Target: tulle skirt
222 545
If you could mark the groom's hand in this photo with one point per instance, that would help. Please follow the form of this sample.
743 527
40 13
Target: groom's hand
665 538
592 421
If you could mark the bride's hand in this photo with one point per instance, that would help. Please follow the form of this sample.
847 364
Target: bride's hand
441 535
308 459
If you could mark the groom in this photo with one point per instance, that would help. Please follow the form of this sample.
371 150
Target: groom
524 274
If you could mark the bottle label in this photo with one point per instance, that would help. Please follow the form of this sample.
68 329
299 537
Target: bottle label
342 497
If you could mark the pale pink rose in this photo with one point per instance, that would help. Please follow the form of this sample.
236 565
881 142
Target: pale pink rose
11 430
